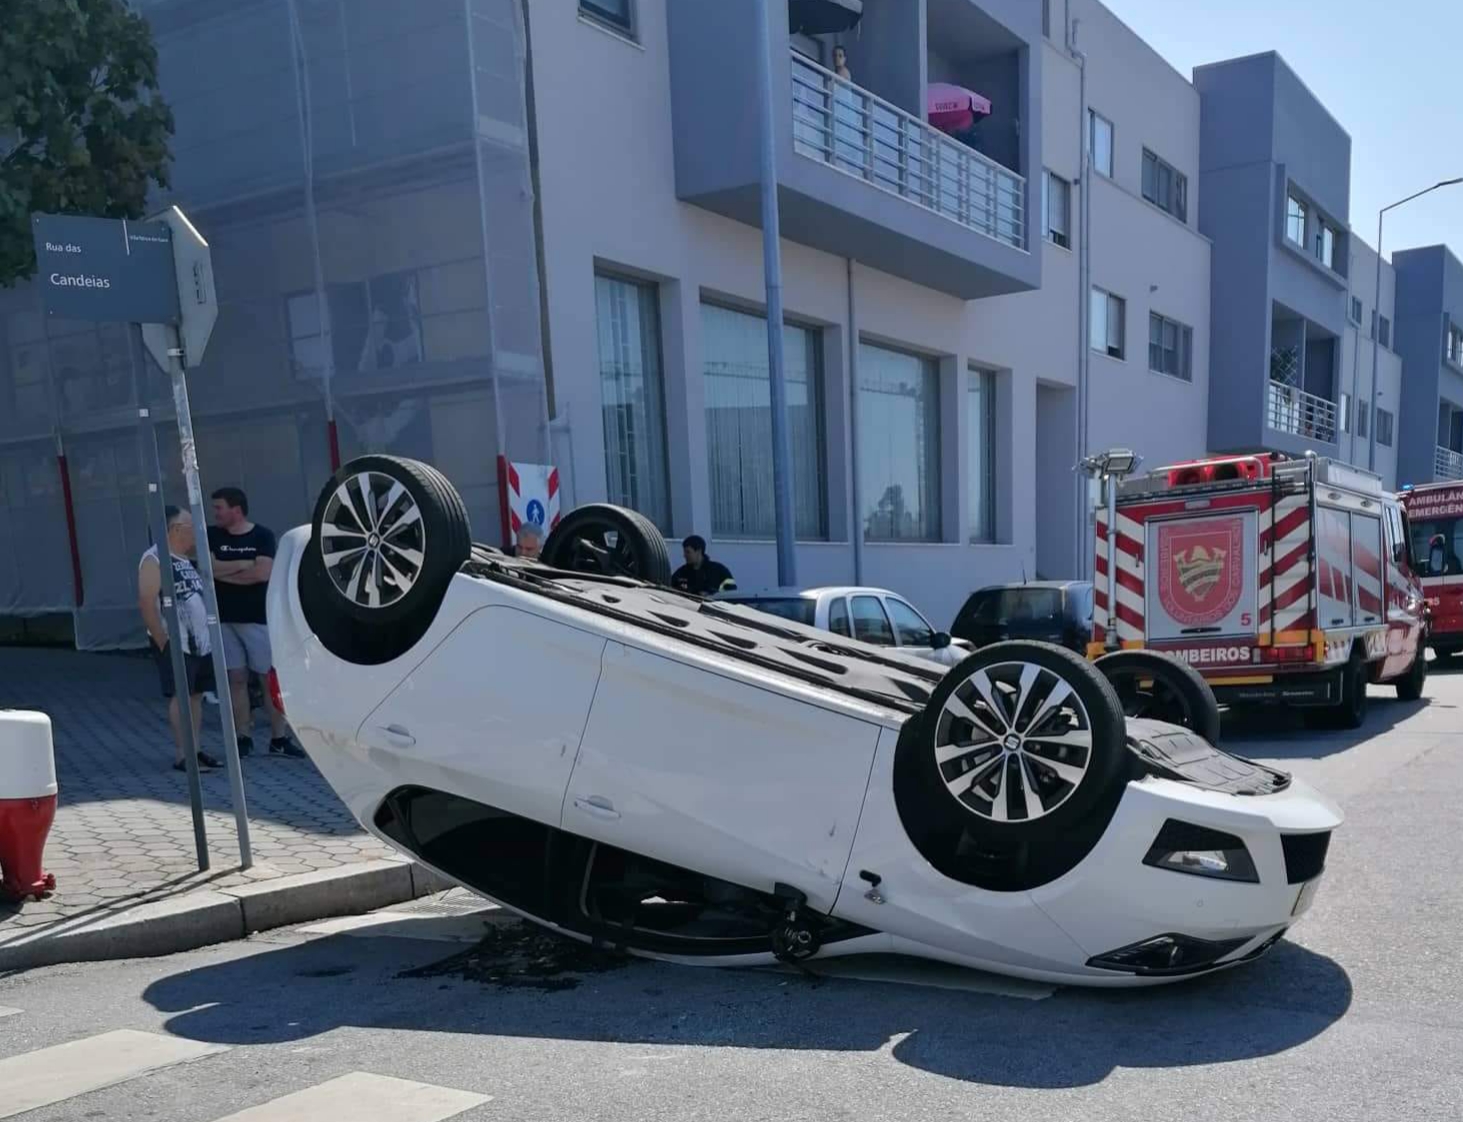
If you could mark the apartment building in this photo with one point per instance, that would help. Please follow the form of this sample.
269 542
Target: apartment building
454 230
1430 342
940 281
1294 300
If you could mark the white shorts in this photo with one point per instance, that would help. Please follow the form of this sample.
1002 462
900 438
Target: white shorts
247 645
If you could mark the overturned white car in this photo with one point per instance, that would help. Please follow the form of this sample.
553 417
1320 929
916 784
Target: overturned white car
701 782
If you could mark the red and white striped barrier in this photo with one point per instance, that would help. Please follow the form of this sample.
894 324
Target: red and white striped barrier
27 802
529 493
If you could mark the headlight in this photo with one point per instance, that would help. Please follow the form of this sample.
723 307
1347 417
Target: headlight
1185 848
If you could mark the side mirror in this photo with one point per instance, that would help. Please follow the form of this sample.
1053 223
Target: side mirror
1436 561
939 640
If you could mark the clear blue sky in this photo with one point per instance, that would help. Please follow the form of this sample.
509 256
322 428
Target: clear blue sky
1391 73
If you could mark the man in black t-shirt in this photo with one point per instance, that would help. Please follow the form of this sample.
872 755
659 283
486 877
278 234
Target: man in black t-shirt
243 558
700 574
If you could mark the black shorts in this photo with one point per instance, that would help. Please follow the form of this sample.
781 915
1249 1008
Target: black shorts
198 668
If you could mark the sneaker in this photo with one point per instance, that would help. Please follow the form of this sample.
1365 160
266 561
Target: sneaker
204 761
246 746
210 697
284 746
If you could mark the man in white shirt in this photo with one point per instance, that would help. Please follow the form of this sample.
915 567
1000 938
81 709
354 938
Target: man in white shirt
192 625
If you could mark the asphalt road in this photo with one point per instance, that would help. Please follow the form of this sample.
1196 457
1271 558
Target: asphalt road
1358 1015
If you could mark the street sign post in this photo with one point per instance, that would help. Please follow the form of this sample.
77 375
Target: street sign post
158 274
105 268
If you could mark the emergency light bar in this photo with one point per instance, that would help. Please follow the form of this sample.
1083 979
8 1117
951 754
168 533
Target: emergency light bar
1227 468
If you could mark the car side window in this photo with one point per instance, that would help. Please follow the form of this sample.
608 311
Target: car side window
838 617
912 628
870 623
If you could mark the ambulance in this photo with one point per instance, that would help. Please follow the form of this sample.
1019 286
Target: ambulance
1435 512
1280 580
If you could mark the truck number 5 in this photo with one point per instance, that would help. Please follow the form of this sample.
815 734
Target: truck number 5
1244 619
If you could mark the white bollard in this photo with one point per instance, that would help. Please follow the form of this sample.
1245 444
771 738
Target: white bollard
27 802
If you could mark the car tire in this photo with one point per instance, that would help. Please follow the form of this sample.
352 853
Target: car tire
370 603
609 541
1159 686
1007 817
1410 685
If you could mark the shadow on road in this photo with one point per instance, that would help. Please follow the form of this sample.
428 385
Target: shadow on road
1275 732
1073 1039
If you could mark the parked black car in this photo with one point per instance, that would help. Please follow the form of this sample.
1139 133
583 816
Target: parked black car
1052 611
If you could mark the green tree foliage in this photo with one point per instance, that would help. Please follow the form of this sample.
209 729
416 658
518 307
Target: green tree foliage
82 128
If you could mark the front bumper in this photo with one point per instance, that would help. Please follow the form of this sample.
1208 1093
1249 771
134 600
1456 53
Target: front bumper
1113 901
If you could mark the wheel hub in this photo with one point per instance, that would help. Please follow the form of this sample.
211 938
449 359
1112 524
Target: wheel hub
372 540
1012 742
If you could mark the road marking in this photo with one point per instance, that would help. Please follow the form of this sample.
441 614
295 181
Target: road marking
53 1075
8 1011
363 1097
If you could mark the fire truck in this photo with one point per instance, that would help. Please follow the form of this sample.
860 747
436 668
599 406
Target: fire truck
1280 580
1435 512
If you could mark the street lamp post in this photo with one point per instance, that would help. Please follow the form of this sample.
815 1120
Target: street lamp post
1371 443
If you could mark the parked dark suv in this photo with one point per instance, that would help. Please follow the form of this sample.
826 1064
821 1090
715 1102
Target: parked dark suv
1049 611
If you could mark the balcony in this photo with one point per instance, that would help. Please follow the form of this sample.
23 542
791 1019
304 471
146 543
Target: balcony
1294 411
849 128
859 174
1447 465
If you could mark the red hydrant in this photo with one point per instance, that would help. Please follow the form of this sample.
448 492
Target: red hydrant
27 802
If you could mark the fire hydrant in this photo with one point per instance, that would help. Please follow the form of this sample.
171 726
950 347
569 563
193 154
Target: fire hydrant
27 802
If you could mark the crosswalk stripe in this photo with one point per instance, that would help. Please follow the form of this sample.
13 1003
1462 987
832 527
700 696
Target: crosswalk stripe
363 1097
53 1075
8 1011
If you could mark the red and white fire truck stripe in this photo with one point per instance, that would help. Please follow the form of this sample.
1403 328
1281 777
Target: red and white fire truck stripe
1130 580
1285 586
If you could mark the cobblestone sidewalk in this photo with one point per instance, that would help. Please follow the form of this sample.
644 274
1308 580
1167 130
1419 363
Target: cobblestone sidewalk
123 833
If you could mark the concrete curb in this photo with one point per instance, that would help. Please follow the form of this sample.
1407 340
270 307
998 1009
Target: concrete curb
206 916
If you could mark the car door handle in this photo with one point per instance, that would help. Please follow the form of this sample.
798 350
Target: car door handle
398 734
598 806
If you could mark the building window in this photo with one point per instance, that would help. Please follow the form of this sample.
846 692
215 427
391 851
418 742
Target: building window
616 14
1343 413
1170 347
739 424
1356 310
1455 345
1165 187
1046 18
1362 409
1056 204
632 396
1108 314
1384 332
898 450
1384 427
1100 142
980 425
1326 245
1295 220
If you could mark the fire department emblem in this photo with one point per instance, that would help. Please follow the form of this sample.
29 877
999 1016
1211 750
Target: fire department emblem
1201 569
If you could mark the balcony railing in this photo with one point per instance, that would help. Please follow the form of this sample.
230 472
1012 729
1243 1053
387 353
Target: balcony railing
1448 464
848 128
1304 414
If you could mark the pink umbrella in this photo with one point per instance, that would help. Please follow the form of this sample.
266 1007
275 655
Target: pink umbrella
954 108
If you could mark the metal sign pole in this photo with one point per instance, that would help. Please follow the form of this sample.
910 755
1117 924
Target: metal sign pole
210 597
147 454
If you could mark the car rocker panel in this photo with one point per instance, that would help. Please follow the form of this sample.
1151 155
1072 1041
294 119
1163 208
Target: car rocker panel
704 783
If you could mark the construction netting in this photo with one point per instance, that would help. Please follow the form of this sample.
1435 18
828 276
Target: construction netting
361 171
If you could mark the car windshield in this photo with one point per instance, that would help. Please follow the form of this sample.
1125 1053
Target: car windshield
795 608
1423 534
1003 605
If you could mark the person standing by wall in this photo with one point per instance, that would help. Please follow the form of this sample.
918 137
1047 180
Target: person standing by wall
243 557
700 574
192 627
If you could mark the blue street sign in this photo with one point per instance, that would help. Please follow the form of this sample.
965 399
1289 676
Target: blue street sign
105 268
